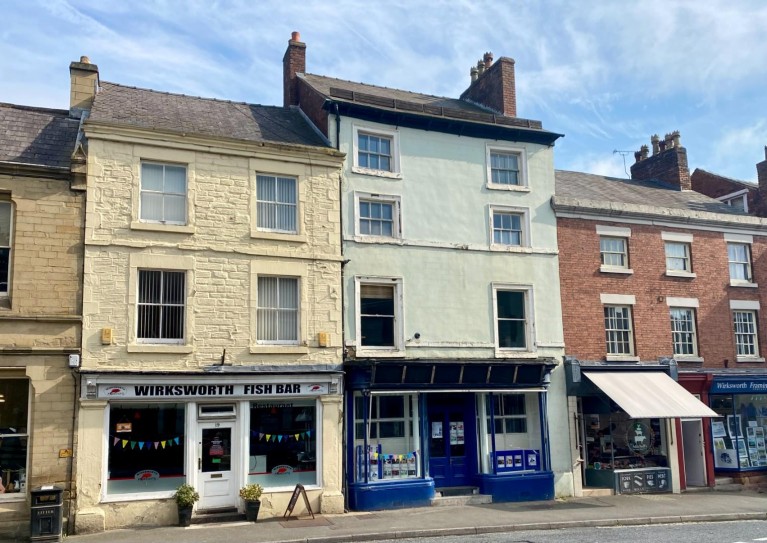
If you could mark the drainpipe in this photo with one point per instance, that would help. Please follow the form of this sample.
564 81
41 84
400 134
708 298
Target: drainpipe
70 465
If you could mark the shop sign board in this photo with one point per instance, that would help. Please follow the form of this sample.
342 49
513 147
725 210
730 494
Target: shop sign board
642 480
211 390
743 386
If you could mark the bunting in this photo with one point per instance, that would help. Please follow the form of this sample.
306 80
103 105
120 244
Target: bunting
279 438
145 445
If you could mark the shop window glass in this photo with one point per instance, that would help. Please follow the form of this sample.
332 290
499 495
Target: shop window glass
615 441
739 436
14 417
392 434
513 430
283 443
146 448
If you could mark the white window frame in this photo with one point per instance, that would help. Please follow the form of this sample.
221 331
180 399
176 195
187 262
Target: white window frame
747 241
620 301
399 335
185 195
297 214
524 214
394 201
737 195
146 261
521 154
393 135
530 343
679 238
686 259
752 308
691 311
7 292
617 233
161 341
297 310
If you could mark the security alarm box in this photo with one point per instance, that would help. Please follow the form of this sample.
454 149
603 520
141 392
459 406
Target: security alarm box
74 360
106 336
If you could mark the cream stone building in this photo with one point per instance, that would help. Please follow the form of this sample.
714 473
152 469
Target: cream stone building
42 204
212 308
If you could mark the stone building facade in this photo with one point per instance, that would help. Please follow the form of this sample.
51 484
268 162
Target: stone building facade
42 209
212 309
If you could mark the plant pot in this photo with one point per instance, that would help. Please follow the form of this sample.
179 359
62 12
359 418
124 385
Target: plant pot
185 515
251 510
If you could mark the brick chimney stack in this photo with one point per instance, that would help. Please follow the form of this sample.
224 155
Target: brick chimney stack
761 175
668 162
494 85
294 62
83 86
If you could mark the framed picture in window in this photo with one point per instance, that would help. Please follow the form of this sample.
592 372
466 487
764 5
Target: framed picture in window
733 426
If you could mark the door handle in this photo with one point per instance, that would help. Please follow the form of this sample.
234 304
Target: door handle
199 464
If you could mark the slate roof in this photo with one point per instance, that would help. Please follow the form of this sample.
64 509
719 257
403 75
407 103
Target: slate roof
581 186
154 110
412 102
37 136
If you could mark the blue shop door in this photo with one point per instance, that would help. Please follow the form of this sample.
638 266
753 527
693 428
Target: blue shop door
452 440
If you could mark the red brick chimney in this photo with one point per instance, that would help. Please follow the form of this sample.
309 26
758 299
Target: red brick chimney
294 62
668 162
761 175
494 85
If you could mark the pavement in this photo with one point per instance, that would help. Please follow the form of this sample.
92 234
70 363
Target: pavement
625 510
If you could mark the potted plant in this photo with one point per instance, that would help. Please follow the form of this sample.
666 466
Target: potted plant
185 497
251 494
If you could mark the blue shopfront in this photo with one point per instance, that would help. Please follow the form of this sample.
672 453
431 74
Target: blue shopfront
420 429
738 437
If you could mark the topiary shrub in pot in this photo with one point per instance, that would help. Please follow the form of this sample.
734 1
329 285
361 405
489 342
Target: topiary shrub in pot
251 494
185 497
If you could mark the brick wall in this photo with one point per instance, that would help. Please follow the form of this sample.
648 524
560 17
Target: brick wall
495 88
669 165
715 186
311 105
582 283
293 62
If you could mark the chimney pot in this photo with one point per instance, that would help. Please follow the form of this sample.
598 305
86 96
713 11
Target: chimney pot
295 36
644 151
488 58
85 60
675 136
654 141
637 156
474 73
480 67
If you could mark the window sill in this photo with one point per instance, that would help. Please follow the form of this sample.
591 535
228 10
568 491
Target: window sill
611 269
381 352
377 173
278 236
279 349
749 359
695 359
511 188
746 284
501 248
170 349
679 273
621 358
503 353
160 227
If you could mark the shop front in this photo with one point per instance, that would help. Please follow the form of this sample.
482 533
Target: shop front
216 431
738 436
625 424
419 428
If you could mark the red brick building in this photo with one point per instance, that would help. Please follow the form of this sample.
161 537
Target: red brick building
660 279
742 195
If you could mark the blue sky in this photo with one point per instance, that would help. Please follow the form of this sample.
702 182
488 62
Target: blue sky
607 74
